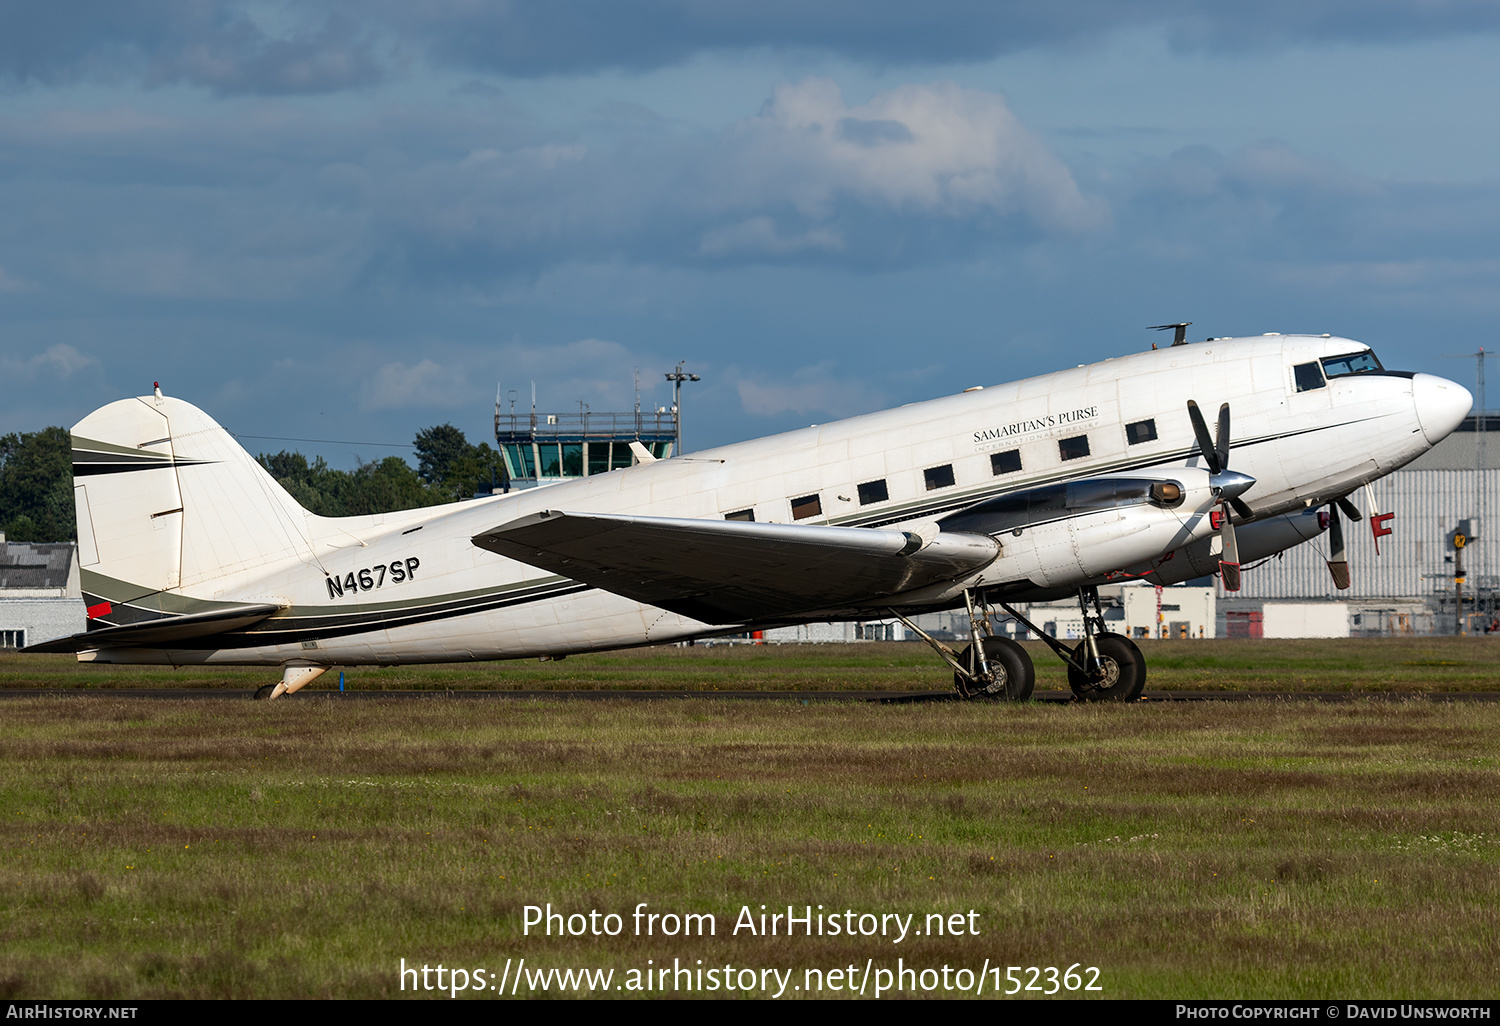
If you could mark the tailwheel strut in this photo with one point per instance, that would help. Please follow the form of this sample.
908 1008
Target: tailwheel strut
293 678
990 666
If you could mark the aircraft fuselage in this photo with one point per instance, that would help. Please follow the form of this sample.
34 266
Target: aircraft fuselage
410 587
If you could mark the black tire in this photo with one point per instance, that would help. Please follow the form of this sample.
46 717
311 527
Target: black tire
1015 676
263 693
1124 676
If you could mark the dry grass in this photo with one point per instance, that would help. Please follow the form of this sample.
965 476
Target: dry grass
180 848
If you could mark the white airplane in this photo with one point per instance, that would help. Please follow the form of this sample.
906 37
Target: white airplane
192 554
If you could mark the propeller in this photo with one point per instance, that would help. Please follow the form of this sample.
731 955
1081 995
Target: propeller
1338 565
1227 487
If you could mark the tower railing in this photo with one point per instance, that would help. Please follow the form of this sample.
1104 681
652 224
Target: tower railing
558 426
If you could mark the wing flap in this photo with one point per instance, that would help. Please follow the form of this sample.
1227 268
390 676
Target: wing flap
159 631
730 571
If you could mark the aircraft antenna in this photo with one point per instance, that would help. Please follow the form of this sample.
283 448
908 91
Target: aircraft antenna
1179 333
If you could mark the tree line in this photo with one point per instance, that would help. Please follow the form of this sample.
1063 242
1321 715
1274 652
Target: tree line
36 480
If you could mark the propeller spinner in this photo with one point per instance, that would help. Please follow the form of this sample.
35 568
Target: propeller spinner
1227 487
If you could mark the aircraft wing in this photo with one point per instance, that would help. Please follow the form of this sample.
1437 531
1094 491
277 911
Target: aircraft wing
732 571
159 632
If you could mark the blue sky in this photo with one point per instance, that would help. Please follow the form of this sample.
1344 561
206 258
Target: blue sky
351 221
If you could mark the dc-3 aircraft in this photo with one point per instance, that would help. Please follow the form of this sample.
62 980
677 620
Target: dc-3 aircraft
1041 489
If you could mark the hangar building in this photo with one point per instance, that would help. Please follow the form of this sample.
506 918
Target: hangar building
40 596
1409 587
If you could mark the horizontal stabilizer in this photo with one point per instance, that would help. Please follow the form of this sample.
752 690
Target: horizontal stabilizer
733 571
163 631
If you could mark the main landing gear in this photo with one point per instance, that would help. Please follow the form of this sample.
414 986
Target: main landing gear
991 666
1103 667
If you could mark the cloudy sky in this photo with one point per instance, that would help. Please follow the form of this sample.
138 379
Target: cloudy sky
349 221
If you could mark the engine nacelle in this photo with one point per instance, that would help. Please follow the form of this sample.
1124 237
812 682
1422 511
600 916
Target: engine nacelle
1256 540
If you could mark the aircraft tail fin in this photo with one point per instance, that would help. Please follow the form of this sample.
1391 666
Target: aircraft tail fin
167 500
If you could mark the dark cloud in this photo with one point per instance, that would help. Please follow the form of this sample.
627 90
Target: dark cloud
215 44
284 262
538 37
232 46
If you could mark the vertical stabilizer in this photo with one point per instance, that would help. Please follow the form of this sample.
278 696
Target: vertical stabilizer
167 499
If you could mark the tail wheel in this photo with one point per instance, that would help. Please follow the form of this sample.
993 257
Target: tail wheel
1121 676
1015 676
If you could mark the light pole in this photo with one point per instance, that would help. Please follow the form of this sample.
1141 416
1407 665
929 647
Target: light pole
677 377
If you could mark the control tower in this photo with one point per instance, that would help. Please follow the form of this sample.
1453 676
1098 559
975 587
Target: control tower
545 448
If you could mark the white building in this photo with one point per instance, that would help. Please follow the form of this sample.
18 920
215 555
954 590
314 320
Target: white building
40 597
815 633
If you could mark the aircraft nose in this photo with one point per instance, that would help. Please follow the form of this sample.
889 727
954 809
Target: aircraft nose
1442 405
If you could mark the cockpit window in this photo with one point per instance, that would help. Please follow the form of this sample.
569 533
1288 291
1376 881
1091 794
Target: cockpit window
1359 363
1308 377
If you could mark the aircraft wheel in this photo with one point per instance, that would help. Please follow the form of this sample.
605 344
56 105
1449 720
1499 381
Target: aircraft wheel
1123 676
261 694
1015 676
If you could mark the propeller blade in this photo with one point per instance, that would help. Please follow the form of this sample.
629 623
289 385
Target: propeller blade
1205 444
1221 438
1338 565
1229 558
1243 509
1350 510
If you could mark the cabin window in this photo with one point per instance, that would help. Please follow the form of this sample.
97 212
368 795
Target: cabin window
1309 376
939 477
873 491
1140 431
744 514
807 506
1073 448
1007 462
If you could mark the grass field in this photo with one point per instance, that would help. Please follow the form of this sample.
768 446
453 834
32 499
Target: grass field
1275 849
1379 664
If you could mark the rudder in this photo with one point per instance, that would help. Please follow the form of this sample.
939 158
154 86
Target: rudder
167 499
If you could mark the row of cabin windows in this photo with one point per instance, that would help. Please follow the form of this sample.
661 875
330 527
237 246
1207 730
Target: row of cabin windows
1007 462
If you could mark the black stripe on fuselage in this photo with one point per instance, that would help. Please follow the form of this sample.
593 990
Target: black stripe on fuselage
281 630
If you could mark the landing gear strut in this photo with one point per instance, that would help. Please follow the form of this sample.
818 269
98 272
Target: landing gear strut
1104 667
991 666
